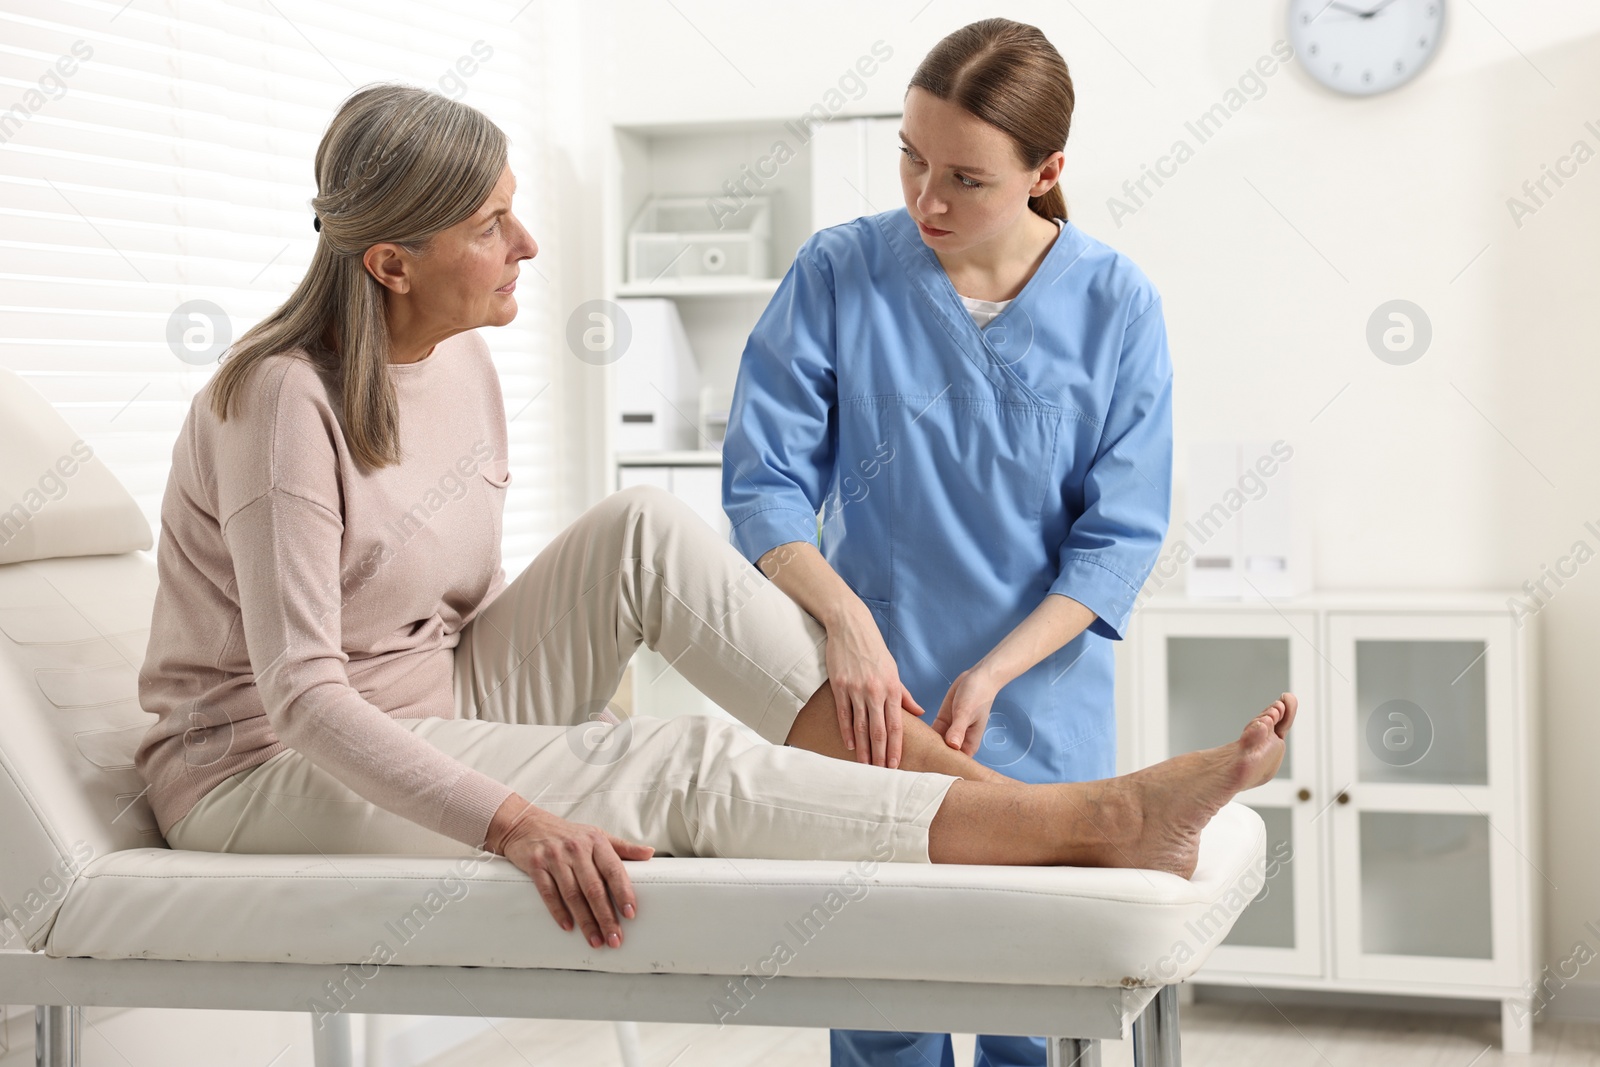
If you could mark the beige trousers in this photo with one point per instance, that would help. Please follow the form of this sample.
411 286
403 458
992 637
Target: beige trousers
532 676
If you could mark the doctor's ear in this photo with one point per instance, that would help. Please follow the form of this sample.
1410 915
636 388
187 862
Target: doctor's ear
1049 173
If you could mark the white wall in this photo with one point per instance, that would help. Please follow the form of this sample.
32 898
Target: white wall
1470 468
1428 474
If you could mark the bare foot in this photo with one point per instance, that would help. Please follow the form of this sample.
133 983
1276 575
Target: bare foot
1170 802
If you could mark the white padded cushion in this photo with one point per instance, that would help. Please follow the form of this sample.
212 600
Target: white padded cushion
72 639
1075 926
56 497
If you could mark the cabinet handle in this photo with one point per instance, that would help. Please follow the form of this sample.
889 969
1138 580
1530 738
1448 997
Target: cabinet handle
1344 798
1304 794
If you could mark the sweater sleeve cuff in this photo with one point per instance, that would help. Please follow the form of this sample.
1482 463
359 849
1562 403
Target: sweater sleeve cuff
1101 590
765 530
471 806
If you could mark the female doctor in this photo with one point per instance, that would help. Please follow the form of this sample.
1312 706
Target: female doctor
976 396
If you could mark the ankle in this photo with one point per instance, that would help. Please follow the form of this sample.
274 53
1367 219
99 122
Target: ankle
1121 804
1102 820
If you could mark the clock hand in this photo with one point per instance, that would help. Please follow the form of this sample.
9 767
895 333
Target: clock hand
1361 14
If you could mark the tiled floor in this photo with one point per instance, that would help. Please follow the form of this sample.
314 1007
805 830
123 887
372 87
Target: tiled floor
1214 1035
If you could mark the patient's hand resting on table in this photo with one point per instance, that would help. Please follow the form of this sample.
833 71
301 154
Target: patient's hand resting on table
571 863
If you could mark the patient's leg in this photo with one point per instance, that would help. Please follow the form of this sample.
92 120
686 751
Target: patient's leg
922 749
1150 819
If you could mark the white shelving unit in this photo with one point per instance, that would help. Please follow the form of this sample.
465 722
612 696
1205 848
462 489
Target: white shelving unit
1404 850
831 173
676 289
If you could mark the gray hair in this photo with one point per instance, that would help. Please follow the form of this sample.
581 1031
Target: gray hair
397 164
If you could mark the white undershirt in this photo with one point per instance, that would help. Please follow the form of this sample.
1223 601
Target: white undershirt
983 312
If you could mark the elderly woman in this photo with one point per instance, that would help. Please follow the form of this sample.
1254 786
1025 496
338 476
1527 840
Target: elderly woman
339 665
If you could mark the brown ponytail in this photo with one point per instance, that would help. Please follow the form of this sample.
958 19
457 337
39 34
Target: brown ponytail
1010 76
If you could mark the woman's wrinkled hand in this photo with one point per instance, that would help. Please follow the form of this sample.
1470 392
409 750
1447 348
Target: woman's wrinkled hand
577 869
867 693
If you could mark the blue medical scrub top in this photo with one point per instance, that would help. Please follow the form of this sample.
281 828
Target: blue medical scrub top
964 474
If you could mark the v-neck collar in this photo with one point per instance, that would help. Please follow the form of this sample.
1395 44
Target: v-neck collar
1004 305
929 278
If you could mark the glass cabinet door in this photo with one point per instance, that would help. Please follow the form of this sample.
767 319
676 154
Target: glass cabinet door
1422 754
1202 677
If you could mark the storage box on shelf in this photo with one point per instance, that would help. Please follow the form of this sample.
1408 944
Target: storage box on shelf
684 238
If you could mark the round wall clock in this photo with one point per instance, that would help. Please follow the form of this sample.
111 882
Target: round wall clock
1362 47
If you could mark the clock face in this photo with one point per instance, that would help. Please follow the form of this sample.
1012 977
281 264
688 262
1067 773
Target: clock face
1361 47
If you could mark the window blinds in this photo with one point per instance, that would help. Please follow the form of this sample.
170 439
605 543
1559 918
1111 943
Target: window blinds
160 152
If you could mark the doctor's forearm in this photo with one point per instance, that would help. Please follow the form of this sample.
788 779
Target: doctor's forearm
800 571
1057 620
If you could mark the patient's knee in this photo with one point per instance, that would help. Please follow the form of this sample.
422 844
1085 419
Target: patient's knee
648 504
709 738
639 497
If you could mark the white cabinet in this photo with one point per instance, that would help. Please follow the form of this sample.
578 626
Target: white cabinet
855 169
1403 848
1201 677
690 477
1425 833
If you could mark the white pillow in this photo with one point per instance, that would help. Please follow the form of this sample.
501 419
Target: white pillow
56 497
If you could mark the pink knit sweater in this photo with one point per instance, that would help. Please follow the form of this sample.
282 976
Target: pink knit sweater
305 605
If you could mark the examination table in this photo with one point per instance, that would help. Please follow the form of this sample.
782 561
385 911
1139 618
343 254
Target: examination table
98 911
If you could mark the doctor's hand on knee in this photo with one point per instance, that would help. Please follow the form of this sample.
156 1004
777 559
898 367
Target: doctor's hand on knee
964 714
867 693
577 868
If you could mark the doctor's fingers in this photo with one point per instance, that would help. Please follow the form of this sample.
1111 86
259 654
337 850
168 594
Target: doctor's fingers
863 709
895 712
850 706
909 703
883 714
844 712
961 722
859 718
972 725
946 718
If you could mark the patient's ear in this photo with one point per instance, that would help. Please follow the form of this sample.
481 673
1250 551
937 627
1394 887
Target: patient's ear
389 265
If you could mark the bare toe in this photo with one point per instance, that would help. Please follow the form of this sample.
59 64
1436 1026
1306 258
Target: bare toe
1290 702
1179 796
